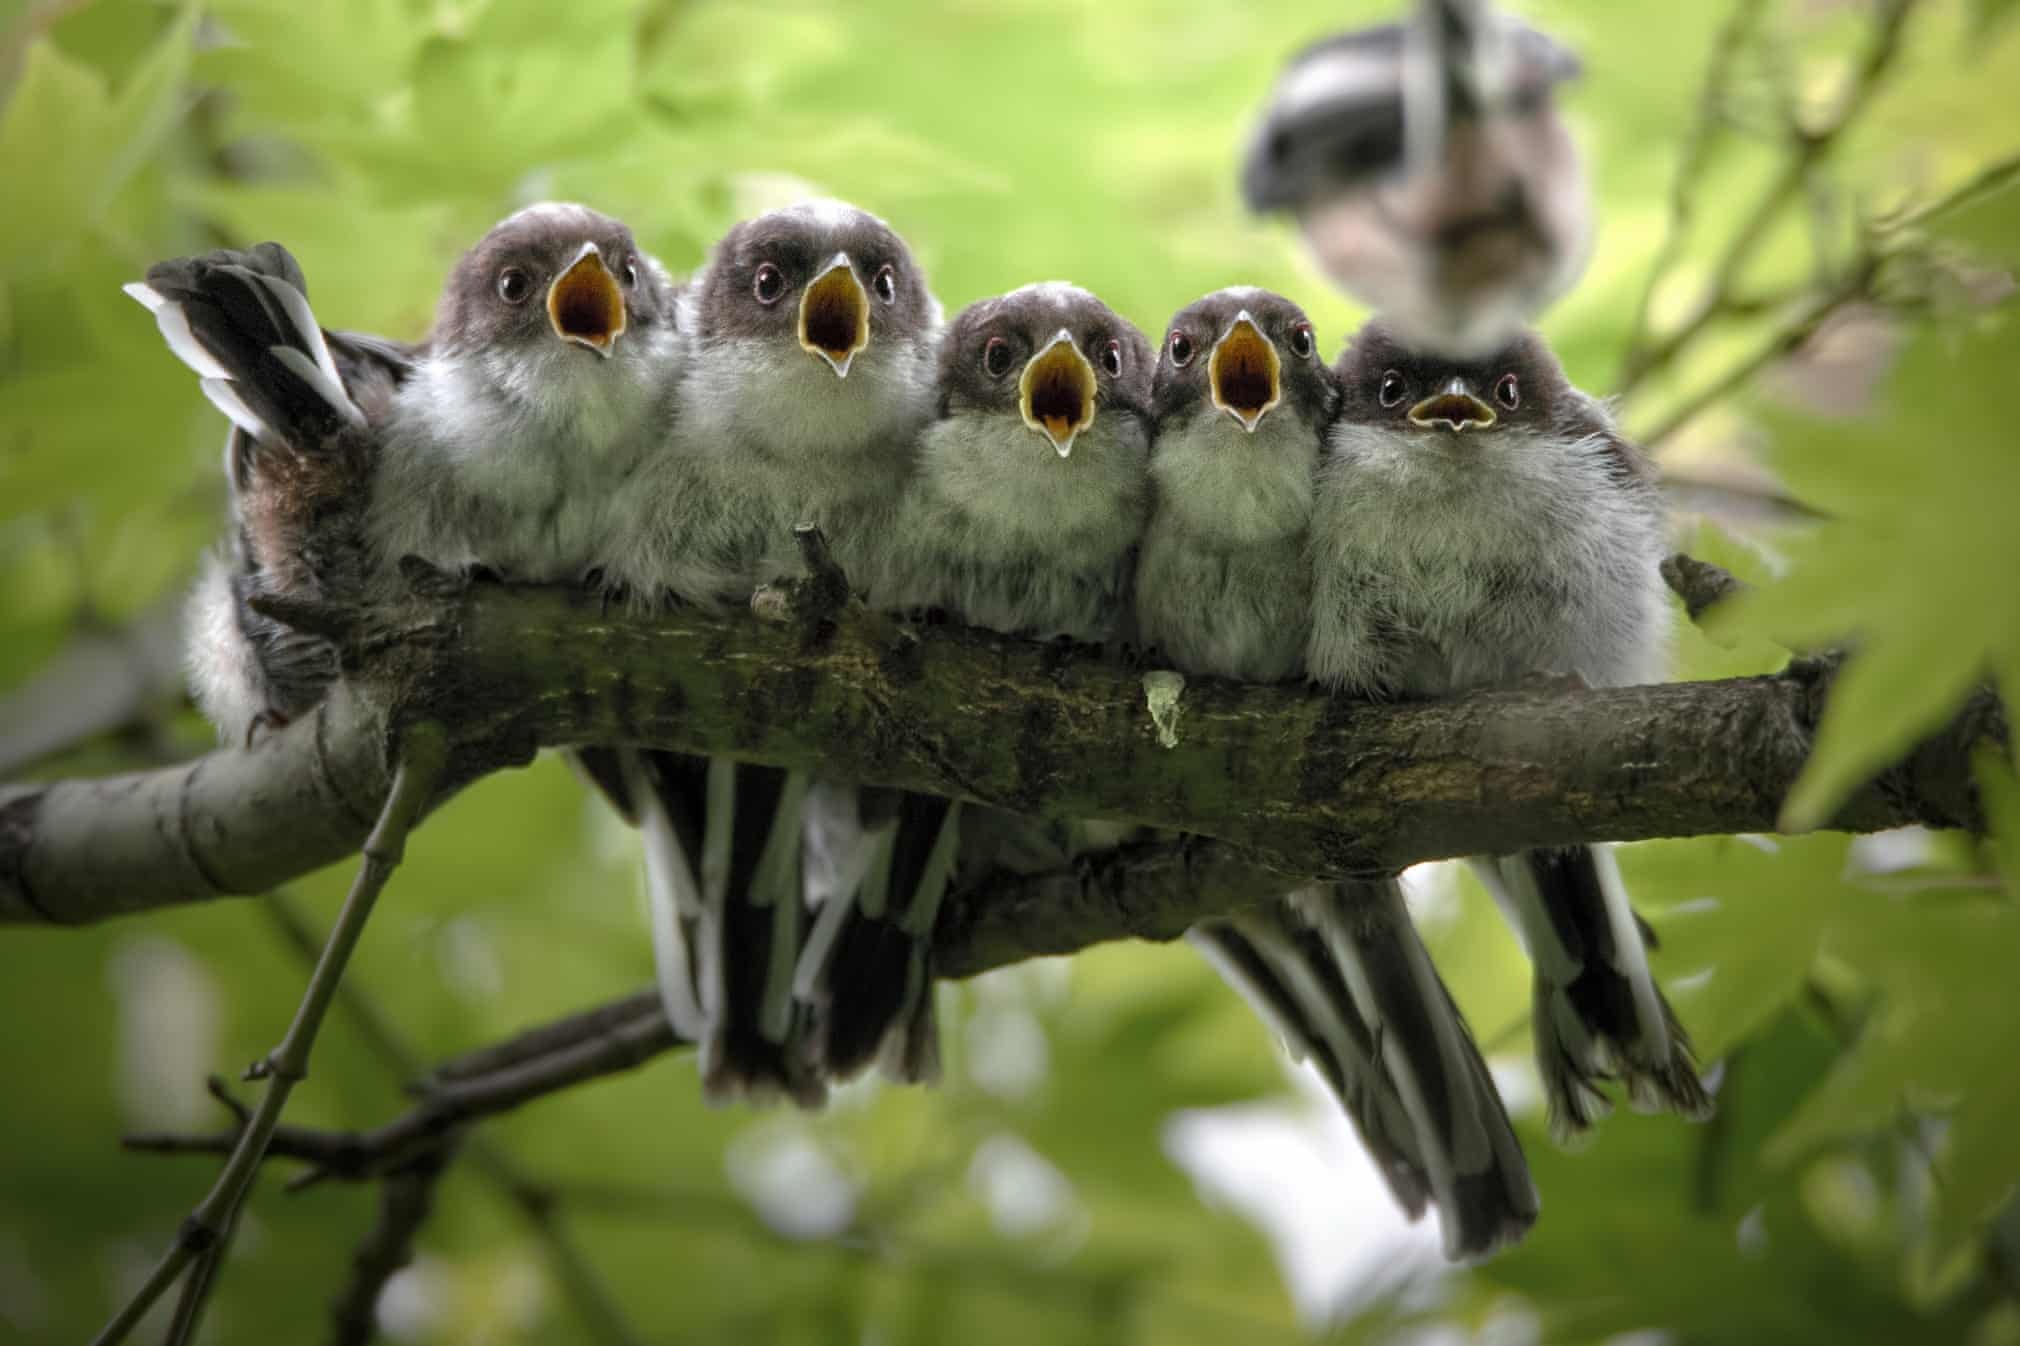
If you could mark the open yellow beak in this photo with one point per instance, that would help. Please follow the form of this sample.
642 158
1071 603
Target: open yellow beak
1454 409
1245 373
1056 392
585 305
835 316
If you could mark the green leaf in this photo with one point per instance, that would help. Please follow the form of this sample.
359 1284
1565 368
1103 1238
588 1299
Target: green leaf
1754 913
1940 1040
1913 569
66 133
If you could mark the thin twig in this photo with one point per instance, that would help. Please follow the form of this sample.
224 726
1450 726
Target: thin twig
406 1199
1691 161
1808 150
422 756
1998 174
1779 344
593 1298
575 1052
540 1041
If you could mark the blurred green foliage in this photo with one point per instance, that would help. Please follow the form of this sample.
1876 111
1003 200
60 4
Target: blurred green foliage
1860 994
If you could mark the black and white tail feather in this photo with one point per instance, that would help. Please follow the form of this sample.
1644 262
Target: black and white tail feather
723 862
298 462
1340 973
1598 1014
879 865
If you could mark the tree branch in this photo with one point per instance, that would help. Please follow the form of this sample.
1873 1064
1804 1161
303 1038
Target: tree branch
1292 780
406 1199
208 1227
1807 150
593 1299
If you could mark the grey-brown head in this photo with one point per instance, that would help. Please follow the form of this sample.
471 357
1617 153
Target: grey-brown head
1053 357
1386 382
554 279
1245 354
825 278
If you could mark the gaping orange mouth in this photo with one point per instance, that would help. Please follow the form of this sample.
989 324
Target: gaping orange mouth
1056 392
835 316
1246 373
585 305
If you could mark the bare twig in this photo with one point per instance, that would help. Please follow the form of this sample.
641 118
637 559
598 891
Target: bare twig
585 1286
1777 345
1808 149
537 1042
406 1199
575 1049
421 759
1691 160
1993 177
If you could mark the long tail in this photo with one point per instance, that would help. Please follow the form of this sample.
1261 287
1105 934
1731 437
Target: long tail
885 861
723 874
298 465
241 320
1340 972
1598 1014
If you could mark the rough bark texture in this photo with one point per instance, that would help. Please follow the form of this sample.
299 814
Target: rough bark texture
1290 780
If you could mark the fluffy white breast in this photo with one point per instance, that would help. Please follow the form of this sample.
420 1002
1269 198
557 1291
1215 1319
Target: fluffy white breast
1218 480
1018 493
1477 560
512 459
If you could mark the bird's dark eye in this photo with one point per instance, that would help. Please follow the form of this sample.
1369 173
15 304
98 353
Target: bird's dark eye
997 357
886 284
1111 358
1302 344
629 272
1508 392
769 284
514 285
1391 391
1180 347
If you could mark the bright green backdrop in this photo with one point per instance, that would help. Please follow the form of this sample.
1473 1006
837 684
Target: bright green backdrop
1862 996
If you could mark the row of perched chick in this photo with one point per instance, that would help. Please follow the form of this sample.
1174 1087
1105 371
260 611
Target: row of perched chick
1002 470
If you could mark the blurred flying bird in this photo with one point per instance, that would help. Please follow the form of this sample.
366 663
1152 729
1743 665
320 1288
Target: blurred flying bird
1429 170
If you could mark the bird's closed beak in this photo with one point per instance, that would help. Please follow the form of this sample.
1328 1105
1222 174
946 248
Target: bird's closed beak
835 315
1245 373
585 304
1056 392
1454 409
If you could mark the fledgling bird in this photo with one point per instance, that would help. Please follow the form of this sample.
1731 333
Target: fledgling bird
1025 506
1030 486
814 336
1430 172
298 463
546 382
1479 524
498 442
1242 404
